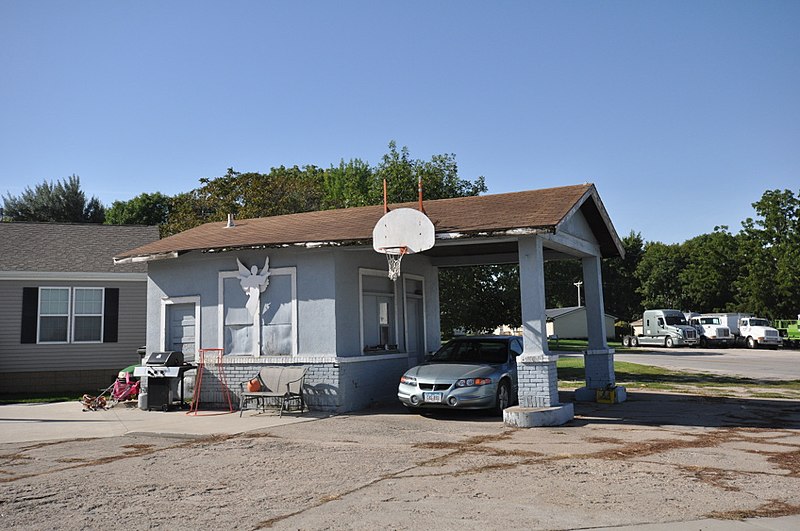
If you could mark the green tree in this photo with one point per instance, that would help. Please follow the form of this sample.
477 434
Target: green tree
144 209
248 195
478 299
59 201
770 256
712 267
560 277
620 284
658 272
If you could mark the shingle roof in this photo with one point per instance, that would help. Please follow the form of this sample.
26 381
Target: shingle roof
536 209
70 247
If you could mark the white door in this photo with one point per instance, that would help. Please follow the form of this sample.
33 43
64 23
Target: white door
181 330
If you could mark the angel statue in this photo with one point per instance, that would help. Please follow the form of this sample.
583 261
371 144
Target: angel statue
253 283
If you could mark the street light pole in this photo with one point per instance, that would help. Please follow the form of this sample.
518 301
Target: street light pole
578 285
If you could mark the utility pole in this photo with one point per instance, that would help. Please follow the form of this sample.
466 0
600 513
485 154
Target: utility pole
578 285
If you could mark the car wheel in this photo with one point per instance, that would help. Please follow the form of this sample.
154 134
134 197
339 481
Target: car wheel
626 341
634 341
751 343
668 342
503 399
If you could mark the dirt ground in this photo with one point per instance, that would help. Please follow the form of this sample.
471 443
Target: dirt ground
655 458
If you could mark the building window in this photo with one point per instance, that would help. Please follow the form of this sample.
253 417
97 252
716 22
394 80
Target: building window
87 324
378 313
69 315
53 315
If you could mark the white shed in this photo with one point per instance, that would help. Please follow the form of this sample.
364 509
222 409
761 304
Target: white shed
570 323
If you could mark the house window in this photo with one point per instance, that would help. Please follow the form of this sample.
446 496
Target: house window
69 315
273 330
378 314
87 323
53 315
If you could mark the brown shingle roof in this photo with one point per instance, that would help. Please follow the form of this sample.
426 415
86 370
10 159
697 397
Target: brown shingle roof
70 247
537 209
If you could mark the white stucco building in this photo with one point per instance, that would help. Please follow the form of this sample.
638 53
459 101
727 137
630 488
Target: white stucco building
330 306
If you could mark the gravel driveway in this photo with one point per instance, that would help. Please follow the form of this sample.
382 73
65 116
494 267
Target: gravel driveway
655 458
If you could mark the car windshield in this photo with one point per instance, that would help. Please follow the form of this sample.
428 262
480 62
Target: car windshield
759 322
472 351
675 320
710 320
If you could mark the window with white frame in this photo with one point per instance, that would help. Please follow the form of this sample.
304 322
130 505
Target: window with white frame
87 311
70 315
54 315
273 330
378 312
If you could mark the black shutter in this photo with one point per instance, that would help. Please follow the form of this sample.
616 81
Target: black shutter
111 315
30 312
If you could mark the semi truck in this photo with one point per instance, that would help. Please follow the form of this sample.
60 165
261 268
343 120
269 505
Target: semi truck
750 331
663 328
711 330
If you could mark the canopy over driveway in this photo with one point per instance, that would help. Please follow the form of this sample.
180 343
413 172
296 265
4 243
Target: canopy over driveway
522 227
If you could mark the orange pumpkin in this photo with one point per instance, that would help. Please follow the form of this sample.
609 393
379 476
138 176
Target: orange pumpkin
253 386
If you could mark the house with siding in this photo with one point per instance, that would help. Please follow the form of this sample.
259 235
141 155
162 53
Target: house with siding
70 318
308 289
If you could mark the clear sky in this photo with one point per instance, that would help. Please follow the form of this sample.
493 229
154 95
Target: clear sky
682 113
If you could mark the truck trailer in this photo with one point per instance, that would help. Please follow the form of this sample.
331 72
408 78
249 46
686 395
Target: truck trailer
663 328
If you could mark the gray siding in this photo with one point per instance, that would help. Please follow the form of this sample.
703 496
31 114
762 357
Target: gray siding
18 357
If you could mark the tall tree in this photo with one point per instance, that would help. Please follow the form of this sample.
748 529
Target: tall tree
59 201
620 285
770 245
658 273
712 267
144 209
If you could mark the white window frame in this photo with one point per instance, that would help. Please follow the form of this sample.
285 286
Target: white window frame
191 299
277 271
39 315
424 331
362 272
101 315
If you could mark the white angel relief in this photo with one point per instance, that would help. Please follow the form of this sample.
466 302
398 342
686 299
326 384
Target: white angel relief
253 283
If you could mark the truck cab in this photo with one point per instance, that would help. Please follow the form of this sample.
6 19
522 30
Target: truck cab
711 330
667 328
757 331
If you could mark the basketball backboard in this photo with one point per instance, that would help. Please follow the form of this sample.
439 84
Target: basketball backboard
403 228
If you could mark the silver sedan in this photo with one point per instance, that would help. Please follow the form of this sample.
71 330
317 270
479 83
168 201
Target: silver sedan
473 372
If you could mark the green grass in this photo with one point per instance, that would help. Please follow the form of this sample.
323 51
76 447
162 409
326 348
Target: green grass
635 376
37 398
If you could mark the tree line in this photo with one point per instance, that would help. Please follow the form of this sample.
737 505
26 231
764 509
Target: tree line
755 270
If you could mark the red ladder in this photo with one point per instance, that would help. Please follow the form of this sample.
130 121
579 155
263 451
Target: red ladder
199 383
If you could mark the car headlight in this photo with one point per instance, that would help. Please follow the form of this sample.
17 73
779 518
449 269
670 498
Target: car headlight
408 380
472 382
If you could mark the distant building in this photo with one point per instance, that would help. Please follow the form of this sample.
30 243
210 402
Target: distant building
69 318
570 323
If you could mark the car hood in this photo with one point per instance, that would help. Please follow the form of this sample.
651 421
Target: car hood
449 371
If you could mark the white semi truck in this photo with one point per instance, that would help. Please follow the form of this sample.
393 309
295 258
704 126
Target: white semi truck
663 328
749 330
711 330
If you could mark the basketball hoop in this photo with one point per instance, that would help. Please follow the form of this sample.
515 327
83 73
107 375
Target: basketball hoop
394 255
400 232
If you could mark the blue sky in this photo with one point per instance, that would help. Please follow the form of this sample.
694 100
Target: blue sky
682 113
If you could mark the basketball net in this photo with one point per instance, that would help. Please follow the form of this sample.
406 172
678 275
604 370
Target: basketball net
394 256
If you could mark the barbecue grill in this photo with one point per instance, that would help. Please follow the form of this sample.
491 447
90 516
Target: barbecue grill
163 374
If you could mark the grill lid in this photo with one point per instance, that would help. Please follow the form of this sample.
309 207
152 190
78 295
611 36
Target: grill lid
165 359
